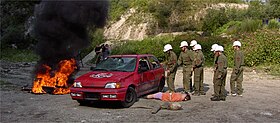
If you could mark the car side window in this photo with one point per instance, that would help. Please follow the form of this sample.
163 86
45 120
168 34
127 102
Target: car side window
154 61
144 63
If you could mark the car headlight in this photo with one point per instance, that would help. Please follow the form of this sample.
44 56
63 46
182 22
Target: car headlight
77 84
113 85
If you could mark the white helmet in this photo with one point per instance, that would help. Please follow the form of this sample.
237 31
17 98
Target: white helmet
184 44
167 47
193 42
219 48
213 47
197 47
237 43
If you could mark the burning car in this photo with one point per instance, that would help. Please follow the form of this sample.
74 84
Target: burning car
121 78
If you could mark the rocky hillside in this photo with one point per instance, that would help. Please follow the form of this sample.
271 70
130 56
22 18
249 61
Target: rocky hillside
136 24
127 28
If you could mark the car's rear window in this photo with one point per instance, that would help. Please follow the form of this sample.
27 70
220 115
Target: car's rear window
124 64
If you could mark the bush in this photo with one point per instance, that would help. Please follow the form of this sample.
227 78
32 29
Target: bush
261 47
273 24
147 46
14 15
250 25
214 19
231 27
17 55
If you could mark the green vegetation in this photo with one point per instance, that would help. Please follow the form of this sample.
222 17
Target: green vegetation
14 15
18 55
146 46
260 41
261 47
273 24
214 20
155 46
231 27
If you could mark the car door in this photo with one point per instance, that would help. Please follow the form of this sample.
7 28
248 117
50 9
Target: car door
147 77
156 70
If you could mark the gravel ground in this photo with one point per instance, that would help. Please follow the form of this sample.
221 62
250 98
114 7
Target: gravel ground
260 102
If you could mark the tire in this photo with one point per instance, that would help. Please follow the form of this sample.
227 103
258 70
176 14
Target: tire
161 85
83 102
130 98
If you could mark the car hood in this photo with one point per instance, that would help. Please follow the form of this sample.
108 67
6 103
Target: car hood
99 79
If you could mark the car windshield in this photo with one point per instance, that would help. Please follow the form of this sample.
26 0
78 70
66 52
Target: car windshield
124 64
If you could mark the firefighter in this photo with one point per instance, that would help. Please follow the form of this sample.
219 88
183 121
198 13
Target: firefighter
192 44
213 50
237 73
213 47
171 67
220 74
186 59
198 70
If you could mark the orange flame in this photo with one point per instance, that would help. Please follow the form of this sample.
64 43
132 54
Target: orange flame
58 81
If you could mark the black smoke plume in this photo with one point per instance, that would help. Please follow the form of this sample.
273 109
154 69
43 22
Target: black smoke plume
61 28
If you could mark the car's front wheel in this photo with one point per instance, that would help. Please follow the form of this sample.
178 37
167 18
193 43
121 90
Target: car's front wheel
130 98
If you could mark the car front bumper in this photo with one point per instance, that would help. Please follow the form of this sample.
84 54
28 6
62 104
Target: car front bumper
95 94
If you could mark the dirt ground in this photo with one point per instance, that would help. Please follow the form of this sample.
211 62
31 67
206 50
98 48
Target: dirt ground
260 102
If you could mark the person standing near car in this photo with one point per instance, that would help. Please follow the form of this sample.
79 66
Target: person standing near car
198 70
98 53
192 44
220 74
171 67
213 47
186 59
105 51
237 73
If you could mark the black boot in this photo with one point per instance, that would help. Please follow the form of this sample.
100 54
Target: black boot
223 98
215 98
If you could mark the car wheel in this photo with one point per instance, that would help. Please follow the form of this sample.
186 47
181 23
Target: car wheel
83 102
161 85
130 98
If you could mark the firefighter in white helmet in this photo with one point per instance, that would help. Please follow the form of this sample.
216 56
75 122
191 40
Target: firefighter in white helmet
186 60
171 67
220 75
213 47
236 78
192 44
198 70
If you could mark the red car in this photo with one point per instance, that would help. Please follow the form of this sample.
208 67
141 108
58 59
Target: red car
121 78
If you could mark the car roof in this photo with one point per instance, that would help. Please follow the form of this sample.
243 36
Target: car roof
132 55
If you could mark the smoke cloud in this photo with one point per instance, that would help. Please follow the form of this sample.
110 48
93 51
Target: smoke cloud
61 27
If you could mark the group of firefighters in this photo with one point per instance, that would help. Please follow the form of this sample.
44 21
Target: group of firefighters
192 62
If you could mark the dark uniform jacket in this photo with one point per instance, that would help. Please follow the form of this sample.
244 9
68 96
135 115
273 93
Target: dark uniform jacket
198 59
238 60
171 62
186 58
221 65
